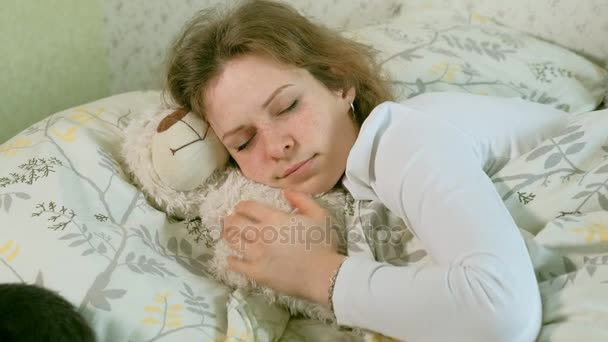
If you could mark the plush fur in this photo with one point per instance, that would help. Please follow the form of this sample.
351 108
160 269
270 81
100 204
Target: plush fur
214 199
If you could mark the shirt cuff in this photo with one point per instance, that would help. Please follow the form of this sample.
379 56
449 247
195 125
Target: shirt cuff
352 292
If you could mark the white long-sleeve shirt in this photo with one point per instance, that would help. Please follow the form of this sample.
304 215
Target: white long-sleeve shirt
427 160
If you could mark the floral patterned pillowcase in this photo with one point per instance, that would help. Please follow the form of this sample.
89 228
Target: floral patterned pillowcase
477 56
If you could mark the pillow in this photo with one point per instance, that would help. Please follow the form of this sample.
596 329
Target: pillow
73 222
475 55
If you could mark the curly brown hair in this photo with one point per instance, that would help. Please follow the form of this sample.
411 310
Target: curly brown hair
216 36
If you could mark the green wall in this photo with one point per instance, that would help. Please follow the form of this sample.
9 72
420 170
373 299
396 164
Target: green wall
53 57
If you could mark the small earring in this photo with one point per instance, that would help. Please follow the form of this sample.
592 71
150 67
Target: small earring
352 107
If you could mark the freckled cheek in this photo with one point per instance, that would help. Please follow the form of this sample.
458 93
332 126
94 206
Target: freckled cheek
306 127
253 167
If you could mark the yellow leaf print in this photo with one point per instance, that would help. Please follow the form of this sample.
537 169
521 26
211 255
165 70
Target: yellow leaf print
151 320
151 308
161 298
174 324
13 254
476 17
233 335
10 148
82 116
427 4
447 71
174 316
596 230
68 136
176 307
6 246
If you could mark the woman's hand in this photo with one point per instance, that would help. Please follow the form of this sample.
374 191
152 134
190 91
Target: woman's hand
294 253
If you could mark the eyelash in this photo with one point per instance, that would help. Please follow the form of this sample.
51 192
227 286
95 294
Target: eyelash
243 146
291 107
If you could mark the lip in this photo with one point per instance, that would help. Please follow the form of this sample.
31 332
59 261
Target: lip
295 167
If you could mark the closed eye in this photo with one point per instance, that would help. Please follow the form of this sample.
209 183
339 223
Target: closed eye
244 145
291 107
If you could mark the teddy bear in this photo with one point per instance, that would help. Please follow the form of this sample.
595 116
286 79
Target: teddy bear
183 169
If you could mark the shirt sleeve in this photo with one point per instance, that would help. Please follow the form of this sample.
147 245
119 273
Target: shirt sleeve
426 161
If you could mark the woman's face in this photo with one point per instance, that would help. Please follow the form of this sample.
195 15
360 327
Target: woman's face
283 127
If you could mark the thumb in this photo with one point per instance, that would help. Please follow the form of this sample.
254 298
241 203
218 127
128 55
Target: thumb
237 265
303 203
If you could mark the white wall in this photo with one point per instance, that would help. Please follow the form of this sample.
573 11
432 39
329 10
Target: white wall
138 31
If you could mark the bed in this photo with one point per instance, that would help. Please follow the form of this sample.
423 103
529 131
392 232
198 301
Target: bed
72 219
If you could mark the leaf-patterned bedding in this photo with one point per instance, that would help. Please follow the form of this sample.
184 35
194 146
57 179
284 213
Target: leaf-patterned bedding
558 196
72 221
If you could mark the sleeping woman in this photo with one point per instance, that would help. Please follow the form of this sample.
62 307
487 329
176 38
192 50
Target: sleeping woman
301 108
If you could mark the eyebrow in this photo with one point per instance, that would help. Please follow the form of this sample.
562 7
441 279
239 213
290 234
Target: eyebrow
274 93
264 105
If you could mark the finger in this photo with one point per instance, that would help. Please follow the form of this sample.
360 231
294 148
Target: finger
304 203
238 265
237 221
238 230
231 231
232 237
255 210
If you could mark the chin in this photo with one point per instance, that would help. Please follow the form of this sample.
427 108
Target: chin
316 186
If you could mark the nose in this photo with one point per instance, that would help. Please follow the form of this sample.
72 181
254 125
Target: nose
279 146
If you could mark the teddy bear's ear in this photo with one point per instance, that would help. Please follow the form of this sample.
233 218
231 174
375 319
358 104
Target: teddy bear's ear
185 151
171 120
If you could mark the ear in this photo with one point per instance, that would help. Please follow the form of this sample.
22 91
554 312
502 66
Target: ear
184 151
349 94
171 120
